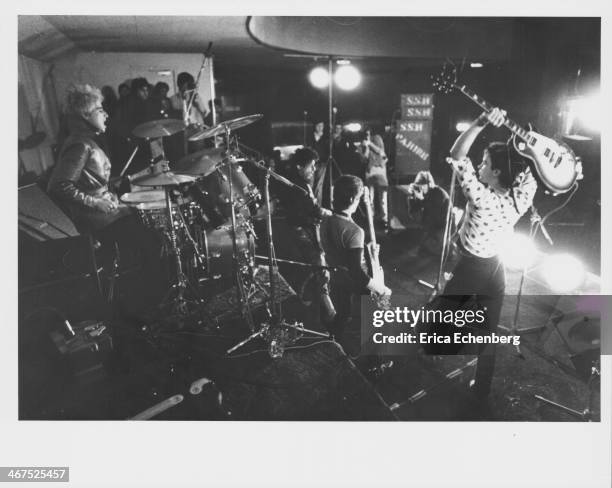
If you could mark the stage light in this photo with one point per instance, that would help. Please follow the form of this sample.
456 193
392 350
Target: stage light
353 127
518 251
584 111
563 272
342 62
347 77
319 77
476 65
462 126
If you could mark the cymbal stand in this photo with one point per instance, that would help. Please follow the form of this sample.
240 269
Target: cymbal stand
278 333
176 295
241 292
537 223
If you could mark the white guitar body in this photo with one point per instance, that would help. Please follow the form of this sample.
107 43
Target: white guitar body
555 162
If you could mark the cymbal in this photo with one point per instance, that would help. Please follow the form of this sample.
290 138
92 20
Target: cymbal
167 178
158 128
200 163
220 128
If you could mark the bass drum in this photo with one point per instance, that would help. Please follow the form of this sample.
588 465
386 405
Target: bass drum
215 192
218 250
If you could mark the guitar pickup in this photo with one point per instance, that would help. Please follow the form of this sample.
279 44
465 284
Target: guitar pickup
547 152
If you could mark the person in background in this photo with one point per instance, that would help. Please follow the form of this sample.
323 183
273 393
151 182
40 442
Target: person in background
140 109
319 141
320 144
124 92
429 205
110 101
343 242
160 103
179 102
373 151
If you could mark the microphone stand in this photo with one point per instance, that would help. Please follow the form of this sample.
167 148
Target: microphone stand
536 224
278 333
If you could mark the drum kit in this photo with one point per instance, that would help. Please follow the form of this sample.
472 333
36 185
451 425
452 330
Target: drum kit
201 206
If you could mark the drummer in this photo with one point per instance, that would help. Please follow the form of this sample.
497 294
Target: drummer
80 181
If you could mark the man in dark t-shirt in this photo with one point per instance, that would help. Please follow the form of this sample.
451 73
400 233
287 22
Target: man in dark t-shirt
343 242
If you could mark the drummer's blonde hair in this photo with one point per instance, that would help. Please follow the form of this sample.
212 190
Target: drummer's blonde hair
81 99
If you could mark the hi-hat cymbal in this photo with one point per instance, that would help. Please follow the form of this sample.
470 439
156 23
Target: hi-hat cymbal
163 179
158 128
200 163
220 128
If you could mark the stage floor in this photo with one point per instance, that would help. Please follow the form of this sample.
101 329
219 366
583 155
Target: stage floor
316 379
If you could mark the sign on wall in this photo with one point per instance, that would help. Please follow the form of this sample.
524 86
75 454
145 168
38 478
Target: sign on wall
413 134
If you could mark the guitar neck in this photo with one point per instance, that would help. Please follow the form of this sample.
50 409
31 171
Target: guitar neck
509 123
369 215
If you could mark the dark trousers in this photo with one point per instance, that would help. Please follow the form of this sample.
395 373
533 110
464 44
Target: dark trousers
485 280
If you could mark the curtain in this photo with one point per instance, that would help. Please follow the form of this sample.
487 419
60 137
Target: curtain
38 116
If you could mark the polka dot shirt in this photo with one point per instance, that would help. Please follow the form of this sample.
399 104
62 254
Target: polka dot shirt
490 216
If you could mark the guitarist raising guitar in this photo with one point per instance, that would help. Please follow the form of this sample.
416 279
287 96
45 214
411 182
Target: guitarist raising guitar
496 199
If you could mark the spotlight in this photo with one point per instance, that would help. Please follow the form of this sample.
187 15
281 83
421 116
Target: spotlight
347 77
584 111
462 126
342 62
476 65
353 127
563 272
517 251
319 77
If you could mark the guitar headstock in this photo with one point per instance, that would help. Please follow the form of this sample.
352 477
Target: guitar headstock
366 196
446 80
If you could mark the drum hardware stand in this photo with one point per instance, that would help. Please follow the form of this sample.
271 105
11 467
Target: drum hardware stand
114 274
587 413
240 288
446 241
278 333
175 297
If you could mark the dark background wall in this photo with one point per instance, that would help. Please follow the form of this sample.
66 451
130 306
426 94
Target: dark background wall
540 72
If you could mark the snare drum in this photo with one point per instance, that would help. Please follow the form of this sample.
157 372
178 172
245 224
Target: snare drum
152 211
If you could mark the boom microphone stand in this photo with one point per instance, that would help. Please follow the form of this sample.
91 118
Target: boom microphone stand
277 332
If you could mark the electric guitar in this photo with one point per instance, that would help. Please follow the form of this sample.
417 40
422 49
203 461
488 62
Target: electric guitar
373 249
555 163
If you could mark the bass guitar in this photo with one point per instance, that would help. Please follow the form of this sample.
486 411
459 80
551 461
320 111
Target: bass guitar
555 163
373 250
